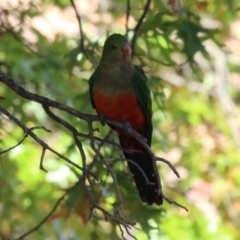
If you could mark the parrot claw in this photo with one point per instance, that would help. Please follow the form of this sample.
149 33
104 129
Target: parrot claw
126 126
103 119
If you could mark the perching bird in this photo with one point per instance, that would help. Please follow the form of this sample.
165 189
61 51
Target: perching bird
119 91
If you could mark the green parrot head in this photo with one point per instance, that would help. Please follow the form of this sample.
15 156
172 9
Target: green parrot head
116 48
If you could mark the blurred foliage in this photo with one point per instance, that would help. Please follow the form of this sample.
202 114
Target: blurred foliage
189 63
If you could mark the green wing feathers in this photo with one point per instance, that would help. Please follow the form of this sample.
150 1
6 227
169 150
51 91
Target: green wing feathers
91 82
140 88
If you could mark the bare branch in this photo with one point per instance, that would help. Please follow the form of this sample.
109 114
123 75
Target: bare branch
41 160
136 29
47 104
43 100
173 202
87 117
133 163
34 229
100 156
80 26
169 164
37 139
127 16
127 230
19 143
25 136
82 46
74 133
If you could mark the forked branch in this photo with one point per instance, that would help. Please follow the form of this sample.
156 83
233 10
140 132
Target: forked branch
47 104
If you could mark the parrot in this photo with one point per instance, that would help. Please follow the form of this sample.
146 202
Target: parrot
119 91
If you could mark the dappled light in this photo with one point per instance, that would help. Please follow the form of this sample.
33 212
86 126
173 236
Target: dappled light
64 172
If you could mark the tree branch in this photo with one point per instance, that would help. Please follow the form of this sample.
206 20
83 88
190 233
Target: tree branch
47 104
29 132
127 16
25 136
137 27
34 229
82 46
79 25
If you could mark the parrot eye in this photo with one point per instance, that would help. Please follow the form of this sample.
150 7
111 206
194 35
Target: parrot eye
114 46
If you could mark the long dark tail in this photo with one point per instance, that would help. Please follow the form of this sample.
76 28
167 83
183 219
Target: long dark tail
148 193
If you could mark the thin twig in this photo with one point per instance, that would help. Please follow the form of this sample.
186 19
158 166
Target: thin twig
107 215
100 156
137 27
79 145
127 16
114 144
79 25
127 230
169 164
74 133
25 136
34 229
11 148
174 202
37 139
82 46
133 163
122 233
41 160
89 119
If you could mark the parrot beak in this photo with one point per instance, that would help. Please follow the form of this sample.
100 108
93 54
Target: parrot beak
126 50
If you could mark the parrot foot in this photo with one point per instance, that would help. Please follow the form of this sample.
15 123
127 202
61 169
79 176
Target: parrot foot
103 119
126 126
